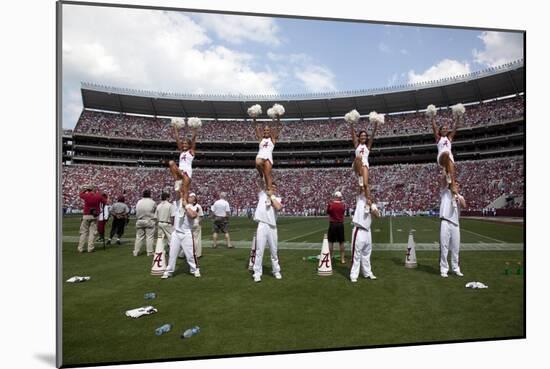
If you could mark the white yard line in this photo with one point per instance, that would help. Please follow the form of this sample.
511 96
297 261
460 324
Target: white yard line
391 231
478 234
487 237
306 234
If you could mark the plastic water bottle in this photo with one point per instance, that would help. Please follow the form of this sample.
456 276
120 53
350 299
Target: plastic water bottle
519 270
150 296
191 332
507 269
163 329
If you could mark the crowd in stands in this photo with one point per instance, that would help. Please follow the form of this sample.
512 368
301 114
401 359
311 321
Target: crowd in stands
402 187
128 126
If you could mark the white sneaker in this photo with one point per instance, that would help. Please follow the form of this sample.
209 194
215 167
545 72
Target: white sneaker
277 275
360 180
444 275
166 275
353 280
458 273
257 278
370 276
197 274
177 185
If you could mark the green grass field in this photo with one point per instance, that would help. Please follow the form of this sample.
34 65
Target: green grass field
300 312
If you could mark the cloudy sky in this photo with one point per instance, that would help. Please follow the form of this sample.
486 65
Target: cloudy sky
209 53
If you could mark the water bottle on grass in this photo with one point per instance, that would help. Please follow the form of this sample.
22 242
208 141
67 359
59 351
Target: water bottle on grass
163 329
191 332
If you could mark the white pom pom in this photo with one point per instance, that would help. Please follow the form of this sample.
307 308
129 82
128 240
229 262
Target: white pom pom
431 110
458 110
279 109
194 122
352 116
276 111
255 111
381 118
373 116
178 122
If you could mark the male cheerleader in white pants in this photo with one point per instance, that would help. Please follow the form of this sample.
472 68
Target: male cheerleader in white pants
361 239
266 216
449 234
182 239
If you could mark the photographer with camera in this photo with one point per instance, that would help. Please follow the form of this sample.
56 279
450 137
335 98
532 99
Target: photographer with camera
88 227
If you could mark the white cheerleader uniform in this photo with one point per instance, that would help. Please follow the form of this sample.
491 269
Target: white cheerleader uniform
266 150
444 145
362 151
186 161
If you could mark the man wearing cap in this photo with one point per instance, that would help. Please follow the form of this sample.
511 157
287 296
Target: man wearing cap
164 214
145 223
119 211
336 210
88 227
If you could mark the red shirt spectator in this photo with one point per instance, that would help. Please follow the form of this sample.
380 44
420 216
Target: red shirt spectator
92 200
335 211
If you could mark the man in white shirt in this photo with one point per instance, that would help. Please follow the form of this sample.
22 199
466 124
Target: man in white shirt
164 214
221 212
266 217
361 240
182 239
449 234
145 223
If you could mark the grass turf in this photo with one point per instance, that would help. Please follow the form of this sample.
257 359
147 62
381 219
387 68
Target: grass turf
300 312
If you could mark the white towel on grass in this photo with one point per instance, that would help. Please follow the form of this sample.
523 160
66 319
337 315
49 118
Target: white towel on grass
144 310
77 279
476 285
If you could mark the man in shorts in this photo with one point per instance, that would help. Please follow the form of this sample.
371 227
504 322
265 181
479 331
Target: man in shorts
221 212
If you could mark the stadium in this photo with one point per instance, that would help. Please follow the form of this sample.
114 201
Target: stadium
123 136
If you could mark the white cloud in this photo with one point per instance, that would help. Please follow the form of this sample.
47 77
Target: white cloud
383 47
316 78
499 48
237 29
163 51
443 69
310 75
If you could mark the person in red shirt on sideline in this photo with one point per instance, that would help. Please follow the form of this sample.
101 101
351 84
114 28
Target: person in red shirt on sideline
88 227
335 211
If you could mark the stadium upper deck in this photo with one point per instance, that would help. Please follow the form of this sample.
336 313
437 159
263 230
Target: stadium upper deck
505 80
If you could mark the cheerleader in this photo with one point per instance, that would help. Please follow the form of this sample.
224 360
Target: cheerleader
444 137
183 172
267 138
363 144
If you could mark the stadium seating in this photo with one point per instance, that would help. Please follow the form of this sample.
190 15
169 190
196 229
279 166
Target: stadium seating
115 125
405 187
